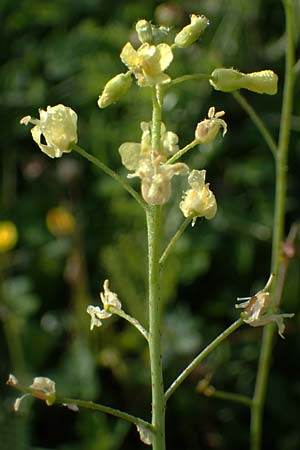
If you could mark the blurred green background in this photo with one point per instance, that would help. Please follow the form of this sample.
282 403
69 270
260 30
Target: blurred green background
59 51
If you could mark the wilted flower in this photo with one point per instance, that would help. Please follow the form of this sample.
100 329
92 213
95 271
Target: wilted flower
148 62
41 387
228 80
115 89
109 299
199 201
191 32
58 125
8 236
256 310
208 129
156 179
151 33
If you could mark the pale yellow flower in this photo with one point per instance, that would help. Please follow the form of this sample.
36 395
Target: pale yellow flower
156 179
58 126
199 201
148 62
191 32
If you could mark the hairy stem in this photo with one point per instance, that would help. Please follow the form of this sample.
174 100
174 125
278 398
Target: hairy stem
278 231
155 346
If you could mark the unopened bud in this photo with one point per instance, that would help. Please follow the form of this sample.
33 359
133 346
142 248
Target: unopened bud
228 80
144 31
191 32
114 89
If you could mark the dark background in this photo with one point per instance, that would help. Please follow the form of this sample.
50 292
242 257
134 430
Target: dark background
63 51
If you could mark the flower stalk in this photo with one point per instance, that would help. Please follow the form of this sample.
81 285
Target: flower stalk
155 310
278 229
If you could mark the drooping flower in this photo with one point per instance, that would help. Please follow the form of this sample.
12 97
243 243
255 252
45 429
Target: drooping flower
228 80
42 388
256 310
208 129
199 201
58 126
148 62
110 300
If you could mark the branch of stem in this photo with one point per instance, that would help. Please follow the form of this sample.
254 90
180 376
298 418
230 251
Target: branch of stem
270 141
201 356
112 174
181 152
231 396
278 229
131 320
174 239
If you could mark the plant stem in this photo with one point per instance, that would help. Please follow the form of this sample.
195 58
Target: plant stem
181 152
155 346
112 174
174 239
131 320
212 346
231 396
257 122
278 230
105 409
196 76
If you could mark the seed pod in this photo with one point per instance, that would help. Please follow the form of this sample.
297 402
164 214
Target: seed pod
228 80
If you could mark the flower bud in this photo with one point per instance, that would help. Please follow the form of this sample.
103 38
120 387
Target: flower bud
191 32
144 31
114 89
228 80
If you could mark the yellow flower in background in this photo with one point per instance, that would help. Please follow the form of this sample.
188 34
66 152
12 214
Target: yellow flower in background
60 221
8 236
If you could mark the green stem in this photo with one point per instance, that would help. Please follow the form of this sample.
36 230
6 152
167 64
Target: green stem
191 367
278 230
231 396
257 121
196 76
131 320
105 409
181 152
155 345
111 173
174 239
